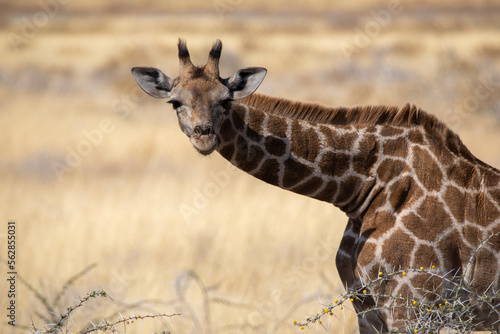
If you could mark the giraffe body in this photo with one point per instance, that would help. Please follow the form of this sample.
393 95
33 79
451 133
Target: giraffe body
415 196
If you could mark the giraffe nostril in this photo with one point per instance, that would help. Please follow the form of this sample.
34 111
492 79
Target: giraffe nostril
203 130
197 130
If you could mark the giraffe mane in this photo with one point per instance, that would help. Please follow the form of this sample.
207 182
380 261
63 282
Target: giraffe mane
367 115
408 115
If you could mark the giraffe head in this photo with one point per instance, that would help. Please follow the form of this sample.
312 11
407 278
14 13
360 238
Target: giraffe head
199 95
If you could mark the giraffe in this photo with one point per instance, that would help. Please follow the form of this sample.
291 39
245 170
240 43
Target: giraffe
414 195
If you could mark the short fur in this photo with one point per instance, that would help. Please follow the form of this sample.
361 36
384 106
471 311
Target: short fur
183 51
407 182
216 50
409 115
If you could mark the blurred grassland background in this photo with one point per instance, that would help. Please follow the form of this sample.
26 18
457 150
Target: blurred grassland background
94 171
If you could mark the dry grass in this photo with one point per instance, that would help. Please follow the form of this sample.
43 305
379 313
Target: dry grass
120 206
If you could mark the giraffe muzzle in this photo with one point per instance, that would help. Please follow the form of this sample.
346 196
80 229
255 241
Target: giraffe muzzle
203 130
203 138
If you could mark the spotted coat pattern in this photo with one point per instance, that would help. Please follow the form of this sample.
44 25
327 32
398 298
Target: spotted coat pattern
412 200
414 195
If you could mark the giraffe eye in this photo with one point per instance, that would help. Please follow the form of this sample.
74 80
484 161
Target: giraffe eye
176 104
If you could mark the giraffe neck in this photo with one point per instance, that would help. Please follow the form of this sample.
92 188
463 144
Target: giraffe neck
322 161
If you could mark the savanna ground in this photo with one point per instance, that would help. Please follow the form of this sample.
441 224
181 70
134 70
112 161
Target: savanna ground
93 171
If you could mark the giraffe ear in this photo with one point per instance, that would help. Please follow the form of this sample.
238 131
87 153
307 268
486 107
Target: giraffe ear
245 81
153 81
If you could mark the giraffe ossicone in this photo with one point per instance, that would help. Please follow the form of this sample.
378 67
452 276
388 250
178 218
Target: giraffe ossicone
414 194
